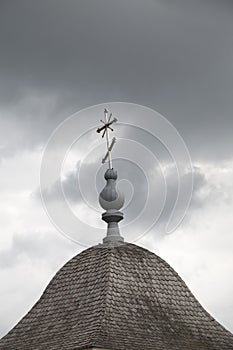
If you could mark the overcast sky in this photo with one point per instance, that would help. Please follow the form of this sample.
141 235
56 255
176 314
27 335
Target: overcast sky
58 57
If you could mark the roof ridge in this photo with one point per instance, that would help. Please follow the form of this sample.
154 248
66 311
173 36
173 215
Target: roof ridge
103 322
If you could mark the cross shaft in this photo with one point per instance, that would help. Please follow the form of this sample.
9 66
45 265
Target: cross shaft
105 128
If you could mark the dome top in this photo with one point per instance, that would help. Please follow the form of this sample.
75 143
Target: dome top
110 174
117 296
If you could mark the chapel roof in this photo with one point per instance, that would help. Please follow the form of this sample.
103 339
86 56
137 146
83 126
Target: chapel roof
117 296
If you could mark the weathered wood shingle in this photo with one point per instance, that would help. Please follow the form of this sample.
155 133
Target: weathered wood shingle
117 296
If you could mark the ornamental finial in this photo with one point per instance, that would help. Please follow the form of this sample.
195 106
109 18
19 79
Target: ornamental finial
110 198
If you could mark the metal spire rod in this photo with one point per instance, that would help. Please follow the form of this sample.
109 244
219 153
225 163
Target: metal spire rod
107 139
105 128
109 150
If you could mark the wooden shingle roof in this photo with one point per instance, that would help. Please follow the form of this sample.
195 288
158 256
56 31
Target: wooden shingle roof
117 296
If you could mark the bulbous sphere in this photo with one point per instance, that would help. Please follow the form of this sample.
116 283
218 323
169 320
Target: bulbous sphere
110 174
116 204
110 198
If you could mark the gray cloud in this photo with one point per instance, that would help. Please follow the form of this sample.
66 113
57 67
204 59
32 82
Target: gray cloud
37 247
173 56
136 190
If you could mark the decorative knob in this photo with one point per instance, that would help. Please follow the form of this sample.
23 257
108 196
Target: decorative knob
110 198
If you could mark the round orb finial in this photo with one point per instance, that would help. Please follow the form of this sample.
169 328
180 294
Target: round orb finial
110 198
110 174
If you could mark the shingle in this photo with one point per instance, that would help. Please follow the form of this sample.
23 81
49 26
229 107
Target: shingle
117 296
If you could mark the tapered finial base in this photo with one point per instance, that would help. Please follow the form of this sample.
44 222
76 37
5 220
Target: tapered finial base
112 201
112 217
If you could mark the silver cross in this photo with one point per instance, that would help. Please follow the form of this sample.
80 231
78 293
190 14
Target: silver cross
105 128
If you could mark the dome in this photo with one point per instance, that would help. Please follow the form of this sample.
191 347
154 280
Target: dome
117 296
